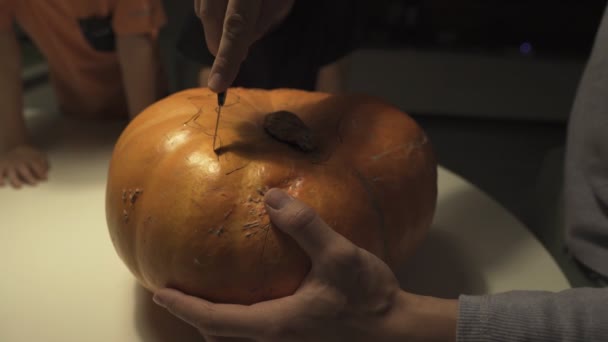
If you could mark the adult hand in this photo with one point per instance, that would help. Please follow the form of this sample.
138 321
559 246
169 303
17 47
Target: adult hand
231 27
349 295
23 165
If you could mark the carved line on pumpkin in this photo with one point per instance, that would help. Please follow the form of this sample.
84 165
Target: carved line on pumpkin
243 100
407 147
194 118
237 169
264 269
368 187
252 224
199 112
231 95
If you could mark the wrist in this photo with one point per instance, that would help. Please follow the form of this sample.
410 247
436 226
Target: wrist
422 318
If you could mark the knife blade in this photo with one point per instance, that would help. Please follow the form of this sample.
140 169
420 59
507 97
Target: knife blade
221 100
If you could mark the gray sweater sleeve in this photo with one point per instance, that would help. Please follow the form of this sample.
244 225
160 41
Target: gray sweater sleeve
571 315
575 314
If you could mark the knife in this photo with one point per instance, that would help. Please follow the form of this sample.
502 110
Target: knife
221 99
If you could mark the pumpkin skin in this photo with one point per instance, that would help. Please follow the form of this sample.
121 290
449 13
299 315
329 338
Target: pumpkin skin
182 216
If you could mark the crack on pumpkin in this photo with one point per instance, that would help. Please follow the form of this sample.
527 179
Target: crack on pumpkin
368 187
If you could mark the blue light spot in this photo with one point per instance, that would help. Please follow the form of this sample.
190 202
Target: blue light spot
525 48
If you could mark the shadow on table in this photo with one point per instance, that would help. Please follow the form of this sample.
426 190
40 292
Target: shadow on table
439 268
155 324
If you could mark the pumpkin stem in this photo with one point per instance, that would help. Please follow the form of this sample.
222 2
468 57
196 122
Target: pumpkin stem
287 127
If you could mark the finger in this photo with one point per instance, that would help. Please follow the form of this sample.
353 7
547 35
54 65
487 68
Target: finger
226 320
38 169
45 163
26 174
2 175
14 178
237 37
301 222
212 14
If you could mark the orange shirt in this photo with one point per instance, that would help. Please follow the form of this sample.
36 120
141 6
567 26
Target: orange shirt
87 81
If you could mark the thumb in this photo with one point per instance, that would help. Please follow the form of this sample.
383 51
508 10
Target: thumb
301 222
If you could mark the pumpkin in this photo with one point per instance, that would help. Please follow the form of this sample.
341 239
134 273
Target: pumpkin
181 214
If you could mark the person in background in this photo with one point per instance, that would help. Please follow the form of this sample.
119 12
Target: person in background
351 295
103 61
305 45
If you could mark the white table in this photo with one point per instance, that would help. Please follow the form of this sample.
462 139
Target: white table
62 280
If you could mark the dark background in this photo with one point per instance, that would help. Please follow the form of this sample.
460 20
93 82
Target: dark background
554 28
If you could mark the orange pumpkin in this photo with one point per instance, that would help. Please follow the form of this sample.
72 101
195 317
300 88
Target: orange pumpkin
183 215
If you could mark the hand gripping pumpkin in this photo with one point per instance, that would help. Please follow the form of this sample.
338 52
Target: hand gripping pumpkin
183 215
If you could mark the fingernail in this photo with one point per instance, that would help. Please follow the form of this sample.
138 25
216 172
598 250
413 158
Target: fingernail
159 300
276 198
215 81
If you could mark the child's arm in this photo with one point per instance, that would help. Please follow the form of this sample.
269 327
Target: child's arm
141 70
19 163
12 124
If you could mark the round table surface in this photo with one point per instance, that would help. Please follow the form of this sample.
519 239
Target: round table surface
63 281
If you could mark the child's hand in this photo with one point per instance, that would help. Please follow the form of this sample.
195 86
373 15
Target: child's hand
23 165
